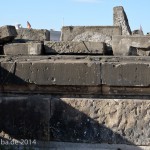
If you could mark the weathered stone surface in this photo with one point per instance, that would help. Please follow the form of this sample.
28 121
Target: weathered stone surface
7 34
126 74
25 117
74 47
93 37
52 72
120 19
76 33
23 49
113 121
66 73
131 45
33 35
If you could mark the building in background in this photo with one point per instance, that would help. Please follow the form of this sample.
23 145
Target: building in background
55 35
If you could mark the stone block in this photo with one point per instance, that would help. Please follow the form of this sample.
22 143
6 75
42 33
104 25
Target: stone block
33 35
120 19
126 74
25 117
76 33
51 72
64 72
23 49
131 45
70 47
7 34
113 121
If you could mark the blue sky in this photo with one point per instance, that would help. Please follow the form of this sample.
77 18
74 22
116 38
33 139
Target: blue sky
49 14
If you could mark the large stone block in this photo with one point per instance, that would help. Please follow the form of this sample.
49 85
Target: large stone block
126 74
74 47
7 34
23 49
33 35
120 19
64 72
50 72
25 117
76 33
113 121
131 45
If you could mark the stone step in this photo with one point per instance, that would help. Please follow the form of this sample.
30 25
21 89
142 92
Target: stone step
85 71
51 72
70 47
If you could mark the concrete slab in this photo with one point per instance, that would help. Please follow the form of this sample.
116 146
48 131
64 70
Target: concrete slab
70 47
131 45
7 34
33 35
23 49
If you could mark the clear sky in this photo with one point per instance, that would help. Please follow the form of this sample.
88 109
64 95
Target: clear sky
52 14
